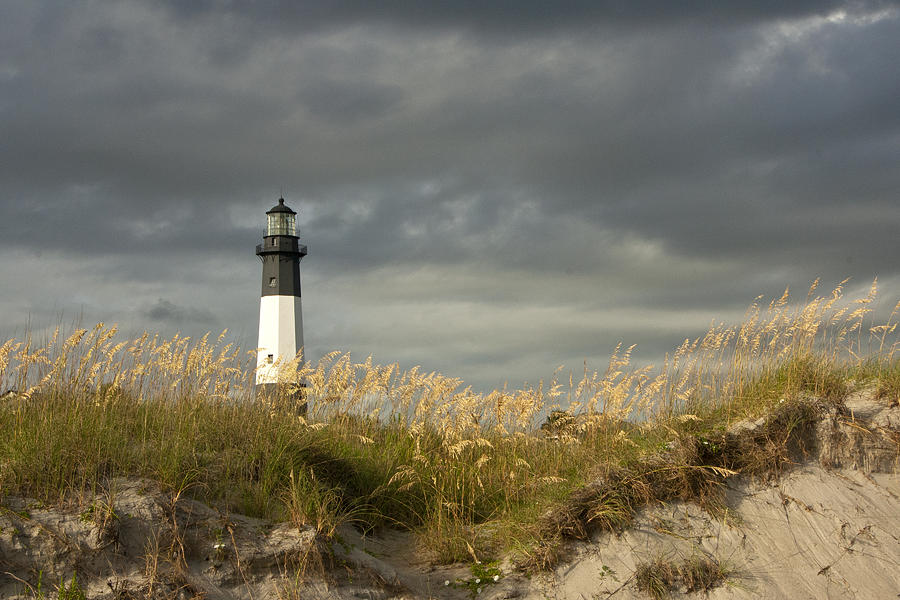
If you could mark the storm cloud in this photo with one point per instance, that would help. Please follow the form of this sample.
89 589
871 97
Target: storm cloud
486 189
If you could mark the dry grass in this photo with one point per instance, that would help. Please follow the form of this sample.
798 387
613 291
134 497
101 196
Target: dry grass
474 472
661 576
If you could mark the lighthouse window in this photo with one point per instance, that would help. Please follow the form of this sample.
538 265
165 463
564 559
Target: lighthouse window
270 358
281 224
271 282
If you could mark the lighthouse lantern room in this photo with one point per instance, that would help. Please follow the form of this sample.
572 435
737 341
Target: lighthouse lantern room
280 316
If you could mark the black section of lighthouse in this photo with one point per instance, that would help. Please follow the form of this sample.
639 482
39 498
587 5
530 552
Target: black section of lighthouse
280 314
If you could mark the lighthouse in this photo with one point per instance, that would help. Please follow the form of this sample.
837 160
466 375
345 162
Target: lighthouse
280 316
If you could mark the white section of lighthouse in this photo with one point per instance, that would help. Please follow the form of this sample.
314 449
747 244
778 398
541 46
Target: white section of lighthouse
280 316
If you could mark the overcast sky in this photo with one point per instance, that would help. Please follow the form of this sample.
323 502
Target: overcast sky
487 189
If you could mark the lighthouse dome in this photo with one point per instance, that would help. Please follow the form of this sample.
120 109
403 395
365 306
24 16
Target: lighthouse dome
281 220
281 207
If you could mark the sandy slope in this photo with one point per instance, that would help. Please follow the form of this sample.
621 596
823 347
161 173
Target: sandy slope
814 534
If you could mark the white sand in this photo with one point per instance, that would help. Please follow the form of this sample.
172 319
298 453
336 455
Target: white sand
813 534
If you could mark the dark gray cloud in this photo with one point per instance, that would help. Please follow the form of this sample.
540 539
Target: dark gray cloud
166 312
487 189
507 16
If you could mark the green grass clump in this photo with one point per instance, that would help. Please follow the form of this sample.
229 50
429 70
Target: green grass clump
477 475
889 384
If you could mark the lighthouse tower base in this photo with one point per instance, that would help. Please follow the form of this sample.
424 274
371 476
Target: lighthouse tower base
280 343
280 337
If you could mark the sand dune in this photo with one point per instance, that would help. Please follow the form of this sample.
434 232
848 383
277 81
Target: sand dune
827 528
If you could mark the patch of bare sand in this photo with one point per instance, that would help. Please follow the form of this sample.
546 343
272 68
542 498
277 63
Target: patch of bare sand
829 528
813 534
